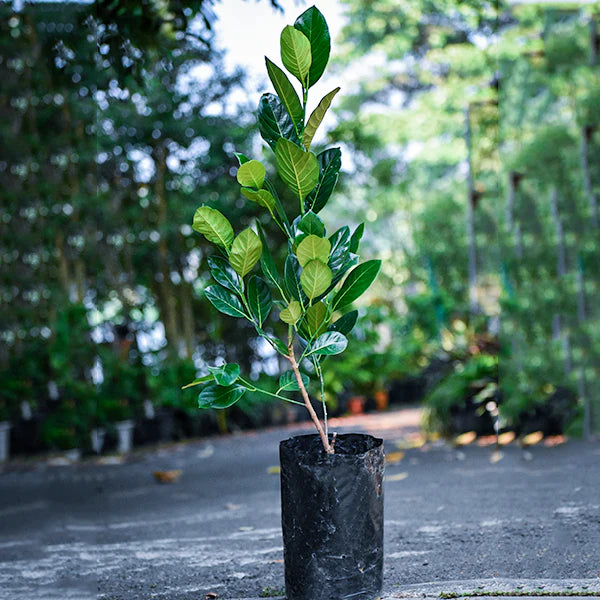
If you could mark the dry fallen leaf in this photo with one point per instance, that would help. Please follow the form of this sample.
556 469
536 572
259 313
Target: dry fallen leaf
394 457
211 596
230 506
396 477
465 439
506 438
274 470
496 456
167 476
554 440
532 439
486 440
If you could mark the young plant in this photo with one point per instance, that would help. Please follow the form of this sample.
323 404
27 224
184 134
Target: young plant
321 276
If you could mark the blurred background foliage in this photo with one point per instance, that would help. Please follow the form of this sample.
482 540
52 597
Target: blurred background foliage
471 149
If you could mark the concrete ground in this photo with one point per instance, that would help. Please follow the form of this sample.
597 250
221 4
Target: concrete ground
464 521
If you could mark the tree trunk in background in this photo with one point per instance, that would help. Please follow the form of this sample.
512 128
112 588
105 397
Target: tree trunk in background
169 302
470 218
187 315
587 178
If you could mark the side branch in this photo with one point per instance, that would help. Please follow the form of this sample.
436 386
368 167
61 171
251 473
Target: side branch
313 415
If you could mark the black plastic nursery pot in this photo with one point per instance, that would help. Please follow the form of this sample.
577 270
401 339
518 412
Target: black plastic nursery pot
332 517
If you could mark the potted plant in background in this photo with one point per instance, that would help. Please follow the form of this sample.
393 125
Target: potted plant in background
331 486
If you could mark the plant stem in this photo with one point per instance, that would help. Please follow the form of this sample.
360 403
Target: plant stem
311 411
322 391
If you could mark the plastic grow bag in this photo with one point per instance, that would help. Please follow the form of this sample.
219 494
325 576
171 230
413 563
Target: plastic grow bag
332 517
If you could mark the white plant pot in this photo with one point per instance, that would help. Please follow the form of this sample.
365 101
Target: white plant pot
97 439
125 431
4 440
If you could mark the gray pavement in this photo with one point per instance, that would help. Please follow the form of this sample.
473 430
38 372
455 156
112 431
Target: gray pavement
463 521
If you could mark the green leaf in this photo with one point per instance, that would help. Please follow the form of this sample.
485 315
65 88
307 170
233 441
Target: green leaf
214 226
316 117
291 276
261 197
216 396
224 301
357 282
298 169
295 52
330 342
242 158
281 347
259 299
356 237
315 278
274 122
292 313
198 381
225 374
340 243
252 174
346 323
313 247
330 163
289 383
311 224
313 25
245 252
286 92
222 273
314 319
266 260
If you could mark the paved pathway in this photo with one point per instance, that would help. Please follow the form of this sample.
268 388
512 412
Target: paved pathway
457 520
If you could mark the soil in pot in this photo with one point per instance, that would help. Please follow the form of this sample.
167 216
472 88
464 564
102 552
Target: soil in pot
332 517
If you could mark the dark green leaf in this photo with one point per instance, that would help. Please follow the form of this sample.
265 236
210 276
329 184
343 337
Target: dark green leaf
357 282
224 301
346 323
259 299
242 158
217 396
274 122
331 342
356 237
266 259
311 224
286 92
340 243
225 374
223 273
291 276
330 163
289 383
313 25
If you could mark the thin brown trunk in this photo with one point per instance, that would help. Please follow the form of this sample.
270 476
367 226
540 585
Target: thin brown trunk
187 315
311 411
470 221
63 265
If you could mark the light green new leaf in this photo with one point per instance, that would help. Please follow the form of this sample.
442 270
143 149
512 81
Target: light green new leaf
315 318
198 381
214 226
259 299
313 247
224 301
295 52
251 174
292 313
245 252
226 374
331 342
261 197
315 278
313 25
289 383
357 282
298 169
316 117
286 92
217 396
